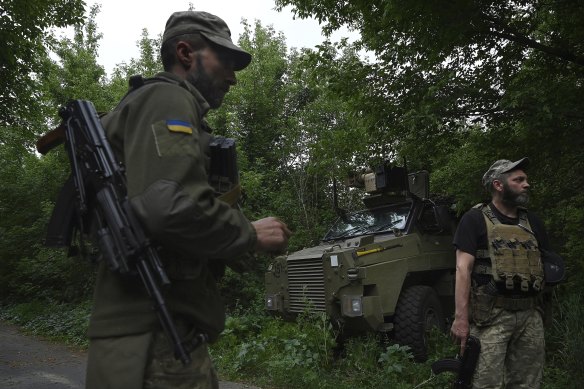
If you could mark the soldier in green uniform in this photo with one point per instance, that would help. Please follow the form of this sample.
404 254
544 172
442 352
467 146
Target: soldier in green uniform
158 130
499 276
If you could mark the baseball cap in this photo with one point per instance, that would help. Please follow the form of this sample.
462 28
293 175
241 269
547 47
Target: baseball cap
503 166
211 27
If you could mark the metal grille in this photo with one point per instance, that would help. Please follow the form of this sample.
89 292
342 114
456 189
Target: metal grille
306 284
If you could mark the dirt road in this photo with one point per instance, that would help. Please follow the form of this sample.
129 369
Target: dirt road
30 363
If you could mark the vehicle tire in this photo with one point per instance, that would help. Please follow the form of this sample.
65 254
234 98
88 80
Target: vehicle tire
418 310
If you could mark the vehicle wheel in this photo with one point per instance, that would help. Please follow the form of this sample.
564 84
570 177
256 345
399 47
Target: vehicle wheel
418 310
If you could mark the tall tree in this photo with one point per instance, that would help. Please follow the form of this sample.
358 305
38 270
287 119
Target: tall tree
75 73
24 29
493 78
147 64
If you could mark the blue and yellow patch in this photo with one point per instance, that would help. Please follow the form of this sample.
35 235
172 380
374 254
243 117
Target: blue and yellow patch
179 126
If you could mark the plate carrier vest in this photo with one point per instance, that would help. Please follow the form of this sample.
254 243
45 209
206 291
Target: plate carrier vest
513 251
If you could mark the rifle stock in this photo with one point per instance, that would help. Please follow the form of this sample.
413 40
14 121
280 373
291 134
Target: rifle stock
51 139
99 187
464 366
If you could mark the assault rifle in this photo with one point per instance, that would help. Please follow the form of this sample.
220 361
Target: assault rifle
464 366
96 195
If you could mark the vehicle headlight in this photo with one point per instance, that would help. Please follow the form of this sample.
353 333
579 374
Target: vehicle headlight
352 274
352 306
273 302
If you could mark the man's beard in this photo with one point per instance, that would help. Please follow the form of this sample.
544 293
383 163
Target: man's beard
512 198
206 85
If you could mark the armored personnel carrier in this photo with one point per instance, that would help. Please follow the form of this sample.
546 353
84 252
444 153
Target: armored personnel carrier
387 268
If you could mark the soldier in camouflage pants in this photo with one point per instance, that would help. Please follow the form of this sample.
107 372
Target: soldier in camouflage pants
512 345
501 307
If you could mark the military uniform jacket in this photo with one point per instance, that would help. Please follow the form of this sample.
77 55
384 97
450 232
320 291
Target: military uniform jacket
158 132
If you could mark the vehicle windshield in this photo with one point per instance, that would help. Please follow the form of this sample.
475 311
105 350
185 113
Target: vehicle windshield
369 221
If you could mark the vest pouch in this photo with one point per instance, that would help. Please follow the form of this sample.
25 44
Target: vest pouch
482 303
503 264
535 264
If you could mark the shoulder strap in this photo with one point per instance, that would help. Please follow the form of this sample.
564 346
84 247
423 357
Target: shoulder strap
137 81
489 215
523 220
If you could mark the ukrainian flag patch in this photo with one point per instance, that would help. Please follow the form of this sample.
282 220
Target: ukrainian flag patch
179 126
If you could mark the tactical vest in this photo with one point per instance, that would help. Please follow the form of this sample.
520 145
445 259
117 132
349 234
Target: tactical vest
513 252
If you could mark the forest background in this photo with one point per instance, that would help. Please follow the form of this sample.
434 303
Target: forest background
452 86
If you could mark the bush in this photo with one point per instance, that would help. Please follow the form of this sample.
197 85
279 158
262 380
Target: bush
273 353
566 339
63 322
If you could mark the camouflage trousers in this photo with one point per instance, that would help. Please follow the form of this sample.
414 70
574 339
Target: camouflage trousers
146 361
512 350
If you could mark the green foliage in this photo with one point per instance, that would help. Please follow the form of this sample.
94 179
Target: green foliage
24 32
237 288
29 185
147 64
567 339
63 322
290 354
75 74
271 352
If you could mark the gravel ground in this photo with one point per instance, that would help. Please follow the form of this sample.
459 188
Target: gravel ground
30 363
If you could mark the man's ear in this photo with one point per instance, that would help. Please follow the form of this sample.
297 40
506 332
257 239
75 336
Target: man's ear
184 54
498 185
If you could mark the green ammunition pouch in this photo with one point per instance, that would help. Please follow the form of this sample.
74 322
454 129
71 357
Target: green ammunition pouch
224 178
223 172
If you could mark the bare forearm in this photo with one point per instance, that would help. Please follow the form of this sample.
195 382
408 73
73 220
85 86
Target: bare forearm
462 293
460 326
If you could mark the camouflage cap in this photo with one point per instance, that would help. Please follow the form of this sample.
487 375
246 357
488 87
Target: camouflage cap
503 166
211 27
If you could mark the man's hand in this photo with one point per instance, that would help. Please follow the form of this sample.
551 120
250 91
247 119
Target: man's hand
272 235
459 332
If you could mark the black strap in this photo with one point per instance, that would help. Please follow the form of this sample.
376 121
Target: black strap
136 82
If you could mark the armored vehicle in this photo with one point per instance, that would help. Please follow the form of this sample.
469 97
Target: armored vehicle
388 268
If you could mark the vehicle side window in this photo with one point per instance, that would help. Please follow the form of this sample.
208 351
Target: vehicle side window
427 221
436 219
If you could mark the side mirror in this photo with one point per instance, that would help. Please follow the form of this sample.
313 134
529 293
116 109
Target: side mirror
419 184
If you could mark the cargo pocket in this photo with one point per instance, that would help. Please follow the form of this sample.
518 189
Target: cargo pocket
482 305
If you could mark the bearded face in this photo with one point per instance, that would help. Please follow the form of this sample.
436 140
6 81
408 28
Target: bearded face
514 196
212 76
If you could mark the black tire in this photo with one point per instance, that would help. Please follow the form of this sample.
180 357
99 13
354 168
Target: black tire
418 310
